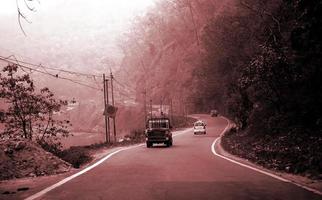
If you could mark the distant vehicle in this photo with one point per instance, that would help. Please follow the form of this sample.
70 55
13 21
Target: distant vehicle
213 113
199 127
158 130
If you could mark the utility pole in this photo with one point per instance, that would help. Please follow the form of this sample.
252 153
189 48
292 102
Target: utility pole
171 110
145 117
114 126
161 107
185 111
108 118
151 108
105 114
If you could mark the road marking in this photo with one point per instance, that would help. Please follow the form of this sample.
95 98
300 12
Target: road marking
256 169
44 191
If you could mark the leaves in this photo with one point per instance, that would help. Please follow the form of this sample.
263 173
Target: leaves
29 114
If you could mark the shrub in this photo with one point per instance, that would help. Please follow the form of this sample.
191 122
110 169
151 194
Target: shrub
50 145
76 156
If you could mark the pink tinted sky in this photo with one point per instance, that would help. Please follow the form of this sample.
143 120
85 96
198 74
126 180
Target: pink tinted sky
61 27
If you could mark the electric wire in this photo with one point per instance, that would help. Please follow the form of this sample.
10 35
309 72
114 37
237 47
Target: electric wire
126 95
23 67
50 68
13 60
126 87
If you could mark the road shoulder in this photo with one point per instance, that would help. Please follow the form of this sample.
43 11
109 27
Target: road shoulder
304 182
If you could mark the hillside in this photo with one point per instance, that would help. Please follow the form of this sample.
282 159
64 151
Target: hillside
21 158
257 62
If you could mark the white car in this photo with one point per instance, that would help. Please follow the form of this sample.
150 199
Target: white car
199 127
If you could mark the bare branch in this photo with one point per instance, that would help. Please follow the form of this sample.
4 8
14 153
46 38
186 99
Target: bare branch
21 14
28 6
19 21
261 13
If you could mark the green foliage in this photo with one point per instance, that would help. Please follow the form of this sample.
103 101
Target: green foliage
257 62
239 106
285 80
52 145
293 153
75 156
262 66
29 114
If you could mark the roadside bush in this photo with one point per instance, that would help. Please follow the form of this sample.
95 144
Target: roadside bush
292 153
97 145
52 146
75 156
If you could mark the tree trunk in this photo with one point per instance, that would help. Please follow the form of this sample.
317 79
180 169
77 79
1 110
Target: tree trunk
24 129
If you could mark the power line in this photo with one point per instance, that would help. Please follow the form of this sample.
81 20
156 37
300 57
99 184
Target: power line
50 68
126 95
36 68
126 87
125 92
46 73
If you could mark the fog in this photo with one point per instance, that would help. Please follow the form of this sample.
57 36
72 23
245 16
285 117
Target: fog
77 35
72 34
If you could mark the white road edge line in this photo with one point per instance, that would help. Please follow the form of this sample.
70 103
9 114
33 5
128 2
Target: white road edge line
256 169
44 191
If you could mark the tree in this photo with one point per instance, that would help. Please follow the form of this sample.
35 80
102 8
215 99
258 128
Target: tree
283 79
29 114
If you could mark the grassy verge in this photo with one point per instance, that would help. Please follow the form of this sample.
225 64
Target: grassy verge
80 155
297 154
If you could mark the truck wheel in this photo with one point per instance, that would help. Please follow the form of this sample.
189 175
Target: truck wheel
169 143
148 144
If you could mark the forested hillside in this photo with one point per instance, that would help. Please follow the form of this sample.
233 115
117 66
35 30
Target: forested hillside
258 62
245 58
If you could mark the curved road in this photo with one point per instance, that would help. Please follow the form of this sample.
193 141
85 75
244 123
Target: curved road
188 170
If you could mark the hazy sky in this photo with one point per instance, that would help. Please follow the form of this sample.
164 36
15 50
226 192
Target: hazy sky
120 8
71 30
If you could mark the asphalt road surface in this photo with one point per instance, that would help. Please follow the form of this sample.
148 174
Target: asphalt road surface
187 170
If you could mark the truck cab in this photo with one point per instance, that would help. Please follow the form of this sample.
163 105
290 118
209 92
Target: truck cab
158 130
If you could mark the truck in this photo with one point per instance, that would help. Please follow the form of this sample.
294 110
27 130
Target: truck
158 130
